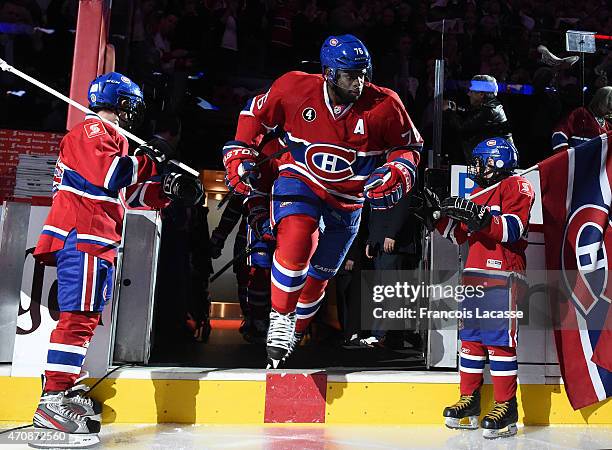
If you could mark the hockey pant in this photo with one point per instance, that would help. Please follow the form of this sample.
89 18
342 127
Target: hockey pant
312 240
495 338
84 286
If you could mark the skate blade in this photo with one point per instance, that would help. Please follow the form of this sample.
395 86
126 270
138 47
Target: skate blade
510 430
466 423
74 441
273 363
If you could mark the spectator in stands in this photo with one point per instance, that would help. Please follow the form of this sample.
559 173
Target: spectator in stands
583 123
485 118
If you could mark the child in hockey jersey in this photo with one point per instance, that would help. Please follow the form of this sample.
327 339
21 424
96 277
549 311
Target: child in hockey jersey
81 236
495 226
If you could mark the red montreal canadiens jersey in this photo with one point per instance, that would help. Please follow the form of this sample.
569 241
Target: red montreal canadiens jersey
92 169
498 251
577 128
333 153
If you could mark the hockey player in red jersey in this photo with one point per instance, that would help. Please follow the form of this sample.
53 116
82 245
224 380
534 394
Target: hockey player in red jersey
495 226
336 126
585 123
94 180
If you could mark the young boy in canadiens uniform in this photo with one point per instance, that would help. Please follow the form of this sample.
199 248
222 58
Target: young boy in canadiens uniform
495 226
83 231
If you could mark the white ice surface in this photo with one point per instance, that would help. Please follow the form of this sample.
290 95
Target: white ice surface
320 437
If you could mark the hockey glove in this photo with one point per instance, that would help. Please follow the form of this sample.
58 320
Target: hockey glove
157 156
389 183
429 211
185 188
240 171
476 217
259 221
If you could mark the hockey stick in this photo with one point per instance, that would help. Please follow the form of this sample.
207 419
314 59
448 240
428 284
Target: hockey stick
243 254
6 67
265 140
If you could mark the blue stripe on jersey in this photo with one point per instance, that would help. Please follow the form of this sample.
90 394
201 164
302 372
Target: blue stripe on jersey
65 358
500 366
472 364
53 234
95 242
122 175
74 180
558 139
248 105
513 230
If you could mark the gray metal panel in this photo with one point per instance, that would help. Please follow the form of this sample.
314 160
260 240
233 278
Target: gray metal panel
13 239
442 334
135 293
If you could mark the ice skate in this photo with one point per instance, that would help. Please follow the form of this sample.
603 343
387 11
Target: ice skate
295 342
280 337
77 400
463 414
501 420
257 332
56 411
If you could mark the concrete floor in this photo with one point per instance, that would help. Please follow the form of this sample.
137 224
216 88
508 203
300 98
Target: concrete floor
319 437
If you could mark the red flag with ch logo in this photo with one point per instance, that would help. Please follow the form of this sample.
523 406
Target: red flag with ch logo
576 205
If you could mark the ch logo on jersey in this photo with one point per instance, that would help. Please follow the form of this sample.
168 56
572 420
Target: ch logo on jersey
94 129
309 114
330 162
584 256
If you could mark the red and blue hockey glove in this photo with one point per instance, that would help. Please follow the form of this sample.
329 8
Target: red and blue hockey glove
476 217
240 171
259 221
389 183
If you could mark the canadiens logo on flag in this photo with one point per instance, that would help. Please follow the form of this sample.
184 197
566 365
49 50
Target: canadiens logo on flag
333 42
576 207
94 129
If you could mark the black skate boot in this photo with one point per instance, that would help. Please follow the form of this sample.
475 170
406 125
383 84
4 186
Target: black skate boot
280 336
295 342
257 332
501 420
56 412
463 414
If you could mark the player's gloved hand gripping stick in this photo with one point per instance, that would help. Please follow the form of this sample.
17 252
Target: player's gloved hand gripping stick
6 67
252 169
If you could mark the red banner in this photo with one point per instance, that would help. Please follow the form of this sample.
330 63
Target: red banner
16 142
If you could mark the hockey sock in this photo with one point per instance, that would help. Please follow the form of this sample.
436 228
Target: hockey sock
296 241
68 347
309 302
471 365
504 369
259 293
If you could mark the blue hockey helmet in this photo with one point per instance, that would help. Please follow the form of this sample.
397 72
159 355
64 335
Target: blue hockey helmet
492 160
345 52
120 94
